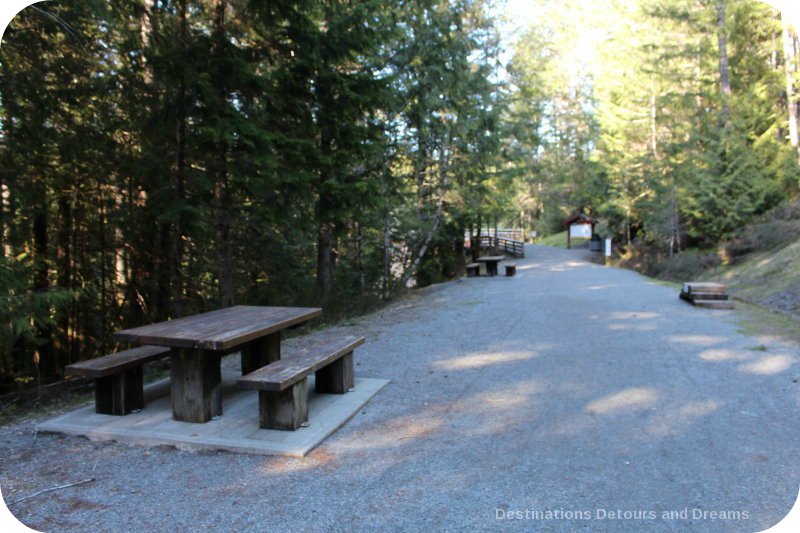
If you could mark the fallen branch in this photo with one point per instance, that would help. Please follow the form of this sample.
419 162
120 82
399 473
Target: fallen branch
83 482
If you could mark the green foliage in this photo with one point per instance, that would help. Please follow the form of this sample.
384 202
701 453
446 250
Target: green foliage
24 315
628 121
164 158
159 159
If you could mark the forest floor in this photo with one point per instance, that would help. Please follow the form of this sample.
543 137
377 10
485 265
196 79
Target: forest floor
570 396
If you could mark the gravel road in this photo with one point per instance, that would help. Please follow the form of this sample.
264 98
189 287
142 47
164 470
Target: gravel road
572 396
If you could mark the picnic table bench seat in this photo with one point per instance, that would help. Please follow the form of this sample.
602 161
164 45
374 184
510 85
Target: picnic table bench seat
283 385
473 270
511 269
118 378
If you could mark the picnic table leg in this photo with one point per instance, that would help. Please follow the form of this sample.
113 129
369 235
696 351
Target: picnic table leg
287 409
195 380
337 377
491 268
119 394
261 352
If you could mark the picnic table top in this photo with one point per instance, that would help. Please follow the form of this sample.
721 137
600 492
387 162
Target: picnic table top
221 329
492 258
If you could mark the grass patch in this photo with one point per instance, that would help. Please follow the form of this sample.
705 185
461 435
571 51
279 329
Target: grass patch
759 348
558 240
758 265
759 322
666 283
763 274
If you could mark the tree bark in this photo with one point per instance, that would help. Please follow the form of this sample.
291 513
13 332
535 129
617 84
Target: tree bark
325 229
387 256
324 259
437 217
41 282
653 117
179 183
145 30
64 262
789 70
724 70
362 281
8 161
387 236
412 269
326 202
221 193
421 164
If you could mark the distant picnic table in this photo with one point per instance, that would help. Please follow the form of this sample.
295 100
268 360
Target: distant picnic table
491 262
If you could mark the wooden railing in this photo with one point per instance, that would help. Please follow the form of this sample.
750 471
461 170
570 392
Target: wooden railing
514 234
515 248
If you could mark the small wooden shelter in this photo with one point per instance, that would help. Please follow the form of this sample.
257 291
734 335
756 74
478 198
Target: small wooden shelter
579 226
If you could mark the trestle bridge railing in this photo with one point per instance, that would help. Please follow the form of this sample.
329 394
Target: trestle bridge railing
509 246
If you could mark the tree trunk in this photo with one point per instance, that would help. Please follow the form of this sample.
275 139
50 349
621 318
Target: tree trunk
421 165
221 193
179 183
387 255
101 210
43 353
476 244
324 260
437 217
326 202
387 235
64 262
724 70
789 69
8 161
675 237
325 240
362 281
411 270
145 30
653 117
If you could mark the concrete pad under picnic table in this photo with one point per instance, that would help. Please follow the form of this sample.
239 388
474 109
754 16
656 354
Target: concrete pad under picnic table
237 430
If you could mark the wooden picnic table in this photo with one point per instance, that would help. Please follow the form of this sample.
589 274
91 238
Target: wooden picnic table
491 263
198 343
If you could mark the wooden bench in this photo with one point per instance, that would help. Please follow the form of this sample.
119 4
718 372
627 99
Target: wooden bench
283 385
118 378
473 270
511 269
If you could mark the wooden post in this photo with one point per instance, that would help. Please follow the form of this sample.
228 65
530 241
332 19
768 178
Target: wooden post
569 236
196 385
261 352
337 377
119 394
287 409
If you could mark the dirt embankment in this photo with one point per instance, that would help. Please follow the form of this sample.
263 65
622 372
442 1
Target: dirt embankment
760 265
